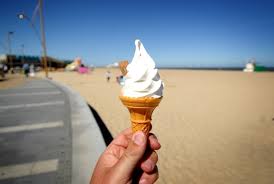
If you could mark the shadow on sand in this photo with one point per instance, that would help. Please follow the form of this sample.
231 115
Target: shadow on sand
104 130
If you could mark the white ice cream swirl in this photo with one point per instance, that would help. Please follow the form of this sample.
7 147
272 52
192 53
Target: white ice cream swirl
142 79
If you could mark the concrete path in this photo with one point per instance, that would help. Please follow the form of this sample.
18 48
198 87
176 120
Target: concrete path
47 135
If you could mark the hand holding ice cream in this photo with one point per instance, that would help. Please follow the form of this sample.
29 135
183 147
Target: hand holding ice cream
143 89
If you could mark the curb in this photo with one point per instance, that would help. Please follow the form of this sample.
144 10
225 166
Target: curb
87 140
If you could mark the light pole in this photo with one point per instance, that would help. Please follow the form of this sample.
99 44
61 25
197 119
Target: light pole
42 38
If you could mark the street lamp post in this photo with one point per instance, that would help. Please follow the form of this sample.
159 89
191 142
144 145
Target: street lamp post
41 38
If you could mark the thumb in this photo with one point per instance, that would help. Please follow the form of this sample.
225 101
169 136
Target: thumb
133 154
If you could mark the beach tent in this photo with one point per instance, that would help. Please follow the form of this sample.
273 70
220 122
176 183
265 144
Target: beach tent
74 65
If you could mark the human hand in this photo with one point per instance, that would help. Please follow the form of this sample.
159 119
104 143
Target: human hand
129 158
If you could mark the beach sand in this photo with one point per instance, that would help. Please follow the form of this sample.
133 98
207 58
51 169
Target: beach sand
214 126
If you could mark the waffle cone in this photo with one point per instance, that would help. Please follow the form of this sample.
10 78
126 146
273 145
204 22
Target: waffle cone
140 110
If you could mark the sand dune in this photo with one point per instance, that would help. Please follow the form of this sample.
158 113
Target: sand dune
214 126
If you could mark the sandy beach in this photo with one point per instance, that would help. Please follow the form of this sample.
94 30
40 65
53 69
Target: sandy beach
214 126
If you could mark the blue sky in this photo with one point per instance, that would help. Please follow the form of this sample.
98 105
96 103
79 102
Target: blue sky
174 32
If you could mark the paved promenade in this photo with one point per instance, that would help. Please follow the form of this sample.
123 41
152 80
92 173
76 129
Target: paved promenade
37 141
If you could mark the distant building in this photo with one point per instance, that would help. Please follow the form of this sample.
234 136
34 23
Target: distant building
18 61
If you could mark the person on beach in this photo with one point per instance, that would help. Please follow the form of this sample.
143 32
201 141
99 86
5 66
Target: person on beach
5 68
129 158
108 75
26 69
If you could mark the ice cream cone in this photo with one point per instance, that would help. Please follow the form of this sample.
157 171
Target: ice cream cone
123 67
141 110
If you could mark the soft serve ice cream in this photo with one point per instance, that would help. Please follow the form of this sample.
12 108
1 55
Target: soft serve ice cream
142 78
143 89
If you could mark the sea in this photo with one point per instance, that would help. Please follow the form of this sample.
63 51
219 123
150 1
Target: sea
267 69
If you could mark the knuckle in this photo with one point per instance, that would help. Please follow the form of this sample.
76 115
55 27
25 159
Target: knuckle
127 155
130 155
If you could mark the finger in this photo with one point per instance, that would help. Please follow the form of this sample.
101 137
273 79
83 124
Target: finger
126 132
149 178
131 157
123 138
150 161
153 142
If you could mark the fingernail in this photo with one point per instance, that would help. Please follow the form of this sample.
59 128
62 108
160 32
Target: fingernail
143 181
150 165
154 136
139 138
